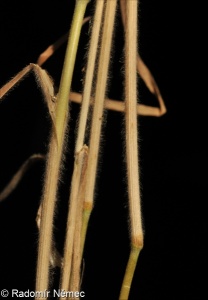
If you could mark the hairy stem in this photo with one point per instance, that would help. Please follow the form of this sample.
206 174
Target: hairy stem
97 117
66 78
132 144
55 151
71 221
79 149
89 74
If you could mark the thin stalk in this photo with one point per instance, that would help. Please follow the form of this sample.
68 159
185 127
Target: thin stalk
75 281
71 222
73 203
132 144
65 84
55 151
97 117
129 273
89 74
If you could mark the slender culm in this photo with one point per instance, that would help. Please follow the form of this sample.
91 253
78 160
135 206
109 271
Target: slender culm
132 144
55 151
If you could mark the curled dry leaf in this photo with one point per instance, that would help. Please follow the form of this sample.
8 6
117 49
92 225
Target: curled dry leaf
19 175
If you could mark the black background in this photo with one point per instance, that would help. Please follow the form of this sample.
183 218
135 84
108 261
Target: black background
172 154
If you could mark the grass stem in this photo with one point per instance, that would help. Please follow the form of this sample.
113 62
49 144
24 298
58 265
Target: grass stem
97 118
79 152
132 144
55 151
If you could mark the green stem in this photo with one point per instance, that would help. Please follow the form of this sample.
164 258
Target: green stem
128 277
69 62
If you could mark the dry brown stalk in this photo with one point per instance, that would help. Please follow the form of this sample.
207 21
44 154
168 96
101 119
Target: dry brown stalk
131 122
48 207
97 117
77 254
90 70
132 144
71 222
146 75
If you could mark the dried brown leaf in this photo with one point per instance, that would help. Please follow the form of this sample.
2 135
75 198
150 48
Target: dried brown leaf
45 82
119 106
17 78
45 55
19 175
